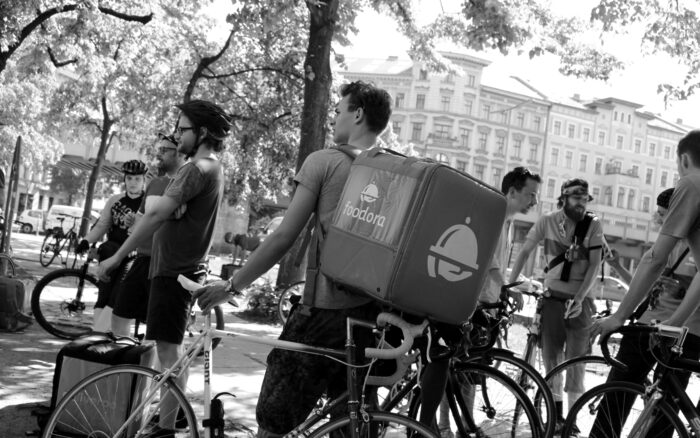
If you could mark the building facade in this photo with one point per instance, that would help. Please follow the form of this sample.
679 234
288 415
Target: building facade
486 124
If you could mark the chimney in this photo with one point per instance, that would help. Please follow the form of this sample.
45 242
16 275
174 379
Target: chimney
393 58
679 121
577 97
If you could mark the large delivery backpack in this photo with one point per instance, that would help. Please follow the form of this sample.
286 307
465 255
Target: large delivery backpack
87 355
414 234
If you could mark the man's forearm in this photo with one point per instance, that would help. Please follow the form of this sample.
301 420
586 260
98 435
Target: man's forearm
518 266
587 283
647 272
145 227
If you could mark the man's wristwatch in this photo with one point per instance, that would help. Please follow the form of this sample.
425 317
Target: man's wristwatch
232 290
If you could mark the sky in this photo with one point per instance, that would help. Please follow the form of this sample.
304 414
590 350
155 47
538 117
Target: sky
638 82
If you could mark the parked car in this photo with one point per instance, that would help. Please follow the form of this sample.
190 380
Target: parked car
610 288
70 213
528 284
31 220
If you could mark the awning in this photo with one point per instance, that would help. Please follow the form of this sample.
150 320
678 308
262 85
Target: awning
80 163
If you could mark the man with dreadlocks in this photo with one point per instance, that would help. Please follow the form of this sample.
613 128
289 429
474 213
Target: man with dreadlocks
180 242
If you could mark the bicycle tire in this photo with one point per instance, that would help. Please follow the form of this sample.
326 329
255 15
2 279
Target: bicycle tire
528 378
490 385
10 262
93 408
376 424
284 305
63 302
48 250
71 255
592 404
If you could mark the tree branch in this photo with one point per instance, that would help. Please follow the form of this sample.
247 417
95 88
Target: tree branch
248 70
58 63
204 64
143 19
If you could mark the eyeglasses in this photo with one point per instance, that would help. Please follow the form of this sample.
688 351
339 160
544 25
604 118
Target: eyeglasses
163 149
180 129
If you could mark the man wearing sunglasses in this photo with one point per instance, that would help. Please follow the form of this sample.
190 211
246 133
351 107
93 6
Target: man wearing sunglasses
573 241
131 300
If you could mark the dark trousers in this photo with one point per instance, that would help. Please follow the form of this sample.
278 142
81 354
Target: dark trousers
636 354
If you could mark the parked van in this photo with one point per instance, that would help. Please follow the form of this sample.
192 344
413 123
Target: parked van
69 213
31 221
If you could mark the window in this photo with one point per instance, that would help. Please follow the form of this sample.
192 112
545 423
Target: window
650 176
608 195
582 163
471 80
485 111
504 117
497 176
596 194
423 75
667 152
537 121
568 158
420 101
468 107
615 116
630 199
442 131
517 145
445 102
621 197
464 137
598 166
601 138
479 170
442 158
620 140
461 165
634 170
586 134
417 132
664 179
629 119
500 145
652 149
533 152
483 139
399 100
450 78
637 146
645 203
554 157
396 127
520 120
572 131
551 184
557 128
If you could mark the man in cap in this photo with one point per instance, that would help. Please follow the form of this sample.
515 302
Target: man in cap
573 240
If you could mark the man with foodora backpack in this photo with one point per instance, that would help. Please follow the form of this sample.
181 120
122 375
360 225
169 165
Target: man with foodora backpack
573 239
294 381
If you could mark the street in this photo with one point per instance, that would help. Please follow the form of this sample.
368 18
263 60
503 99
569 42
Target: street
27 361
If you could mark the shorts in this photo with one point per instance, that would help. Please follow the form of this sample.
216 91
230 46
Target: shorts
169 307
294 381
131 293
106 290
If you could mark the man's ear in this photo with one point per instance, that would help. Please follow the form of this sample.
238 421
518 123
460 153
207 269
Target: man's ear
685 161
203 133
359 115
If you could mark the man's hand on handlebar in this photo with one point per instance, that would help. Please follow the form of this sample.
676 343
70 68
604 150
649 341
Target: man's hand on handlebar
83 247
605 325
508 293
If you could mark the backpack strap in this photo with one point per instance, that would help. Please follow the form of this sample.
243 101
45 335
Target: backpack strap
579 235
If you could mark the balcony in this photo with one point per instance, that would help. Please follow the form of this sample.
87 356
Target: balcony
439 141
634 226
611 169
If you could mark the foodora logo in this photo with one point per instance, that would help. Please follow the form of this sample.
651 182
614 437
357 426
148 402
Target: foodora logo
368 196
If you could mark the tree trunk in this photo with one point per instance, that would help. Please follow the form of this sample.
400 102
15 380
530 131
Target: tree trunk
317 86
99 161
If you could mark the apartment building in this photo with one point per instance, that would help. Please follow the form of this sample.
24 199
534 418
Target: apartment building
485 124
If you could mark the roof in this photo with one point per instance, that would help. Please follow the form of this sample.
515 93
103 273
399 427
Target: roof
80 163
511 84
660 123
389 66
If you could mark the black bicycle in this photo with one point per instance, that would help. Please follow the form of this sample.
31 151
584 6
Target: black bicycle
61 244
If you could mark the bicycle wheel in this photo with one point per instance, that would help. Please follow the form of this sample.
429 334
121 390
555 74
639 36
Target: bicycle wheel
48 250
496 404
69 252
63 302
528 378
8 266
597 413
193 328
284 306
375 425
100 404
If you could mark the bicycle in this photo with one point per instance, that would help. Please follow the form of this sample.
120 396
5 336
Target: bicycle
82 410
598 412
289 296
58 243
63 302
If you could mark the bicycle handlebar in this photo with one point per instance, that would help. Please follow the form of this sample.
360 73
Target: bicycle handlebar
402 364
670 331
409 331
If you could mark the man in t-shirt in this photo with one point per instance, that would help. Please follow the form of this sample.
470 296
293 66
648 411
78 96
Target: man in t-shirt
180 242
567 310
117 216
673 305
294 381
131 292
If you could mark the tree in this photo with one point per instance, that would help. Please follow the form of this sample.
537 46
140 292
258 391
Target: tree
70 181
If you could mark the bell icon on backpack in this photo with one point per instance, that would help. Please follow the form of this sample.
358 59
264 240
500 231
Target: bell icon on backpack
454 255
370 193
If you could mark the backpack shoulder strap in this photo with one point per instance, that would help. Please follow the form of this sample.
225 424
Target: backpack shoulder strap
579 235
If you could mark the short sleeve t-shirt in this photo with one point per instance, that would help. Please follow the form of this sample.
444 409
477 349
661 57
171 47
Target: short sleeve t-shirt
682 221
120 209
556 230
324 173
154 188
181 245
492 290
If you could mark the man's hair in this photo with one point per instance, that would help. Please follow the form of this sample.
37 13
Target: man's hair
690 144
664 198
573 182
375 102
205 114
517 178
